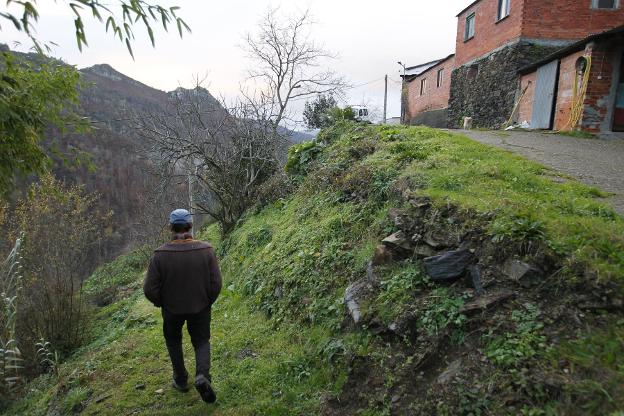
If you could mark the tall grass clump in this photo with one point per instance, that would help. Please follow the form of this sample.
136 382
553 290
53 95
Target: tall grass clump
10 356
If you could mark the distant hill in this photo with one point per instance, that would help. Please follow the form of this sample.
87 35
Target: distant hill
123 177
296 136
113 101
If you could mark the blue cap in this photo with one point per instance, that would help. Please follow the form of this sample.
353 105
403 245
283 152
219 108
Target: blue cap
180 216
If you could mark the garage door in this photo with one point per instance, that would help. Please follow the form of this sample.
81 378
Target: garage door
543 104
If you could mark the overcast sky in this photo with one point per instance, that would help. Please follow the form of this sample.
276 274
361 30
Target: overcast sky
369 37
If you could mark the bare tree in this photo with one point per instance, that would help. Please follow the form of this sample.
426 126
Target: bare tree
288 63
226 153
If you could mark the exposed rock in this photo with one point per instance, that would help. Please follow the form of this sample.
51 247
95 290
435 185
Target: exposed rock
140 386
448 266
421 202
438 239
613 305
354 294
278 292
246 353
397 241
522 273
102 397
398 217
487 301
422 251
159 391
382 255
450 373
370 273
475 277
376 326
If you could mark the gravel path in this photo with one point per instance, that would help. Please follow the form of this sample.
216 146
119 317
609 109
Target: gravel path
599 163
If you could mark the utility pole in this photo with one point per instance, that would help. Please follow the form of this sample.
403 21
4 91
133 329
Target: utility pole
385 98
402 93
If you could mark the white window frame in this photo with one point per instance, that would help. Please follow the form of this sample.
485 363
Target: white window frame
423 86
467 33
595 3
440 77
504 8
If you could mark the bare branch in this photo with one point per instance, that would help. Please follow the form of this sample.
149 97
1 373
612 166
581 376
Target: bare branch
286 62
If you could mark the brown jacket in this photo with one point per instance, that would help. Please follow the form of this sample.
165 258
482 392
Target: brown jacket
183 277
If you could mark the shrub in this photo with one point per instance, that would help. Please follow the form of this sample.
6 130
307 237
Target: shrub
300 156
523 342
63 230
278 186
102 285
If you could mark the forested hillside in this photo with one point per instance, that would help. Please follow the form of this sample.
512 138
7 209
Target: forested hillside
396 270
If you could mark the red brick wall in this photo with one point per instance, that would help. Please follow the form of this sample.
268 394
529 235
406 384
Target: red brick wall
525 108
597 99
489 34
565 89
567 19
533 19
434 98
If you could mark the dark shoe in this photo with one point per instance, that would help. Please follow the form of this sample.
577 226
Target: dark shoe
203 387
180 386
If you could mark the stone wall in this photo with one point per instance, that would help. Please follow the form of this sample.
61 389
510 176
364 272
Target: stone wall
486 89
433 118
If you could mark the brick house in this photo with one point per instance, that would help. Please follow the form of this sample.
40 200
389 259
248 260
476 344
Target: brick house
497 38
580 86
428 91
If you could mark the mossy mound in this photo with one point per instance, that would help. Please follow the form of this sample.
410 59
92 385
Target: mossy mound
285 343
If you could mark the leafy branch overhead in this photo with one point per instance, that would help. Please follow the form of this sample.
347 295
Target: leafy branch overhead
132 12
32 98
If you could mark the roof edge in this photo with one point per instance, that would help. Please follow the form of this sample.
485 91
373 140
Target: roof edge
441 61
574 47
467 7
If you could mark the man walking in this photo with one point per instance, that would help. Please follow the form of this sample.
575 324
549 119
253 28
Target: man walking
183 278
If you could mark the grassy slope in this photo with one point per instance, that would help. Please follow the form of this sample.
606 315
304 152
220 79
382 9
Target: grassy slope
292 260
254 364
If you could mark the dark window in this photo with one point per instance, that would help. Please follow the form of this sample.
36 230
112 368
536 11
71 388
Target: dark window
423 86
503 8
440 77
470 27
605 4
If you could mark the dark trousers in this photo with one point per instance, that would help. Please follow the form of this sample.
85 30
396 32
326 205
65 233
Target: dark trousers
198 326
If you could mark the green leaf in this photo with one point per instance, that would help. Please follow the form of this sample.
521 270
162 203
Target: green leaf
129 48
178 21
110 22
75 8
150 32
